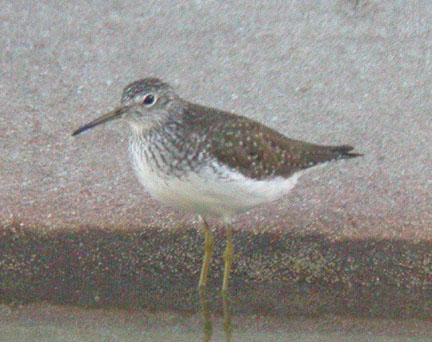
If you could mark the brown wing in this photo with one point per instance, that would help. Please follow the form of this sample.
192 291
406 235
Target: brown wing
260 152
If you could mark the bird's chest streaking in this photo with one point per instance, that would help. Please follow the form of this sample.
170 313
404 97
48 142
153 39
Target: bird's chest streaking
196 182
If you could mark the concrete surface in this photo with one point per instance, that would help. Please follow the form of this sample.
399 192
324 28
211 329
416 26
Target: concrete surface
323 71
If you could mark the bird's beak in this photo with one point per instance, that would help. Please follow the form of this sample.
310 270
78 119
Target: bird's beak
115 114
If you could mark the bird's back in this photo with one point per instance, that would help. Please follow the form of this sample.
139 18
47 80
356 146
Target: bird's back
253 149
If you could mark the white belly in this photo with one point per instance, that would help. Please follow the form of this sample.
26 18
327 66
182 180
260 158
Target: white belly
210 193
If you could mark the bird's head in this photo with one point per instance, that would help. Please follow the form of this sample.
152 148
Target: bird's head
144 104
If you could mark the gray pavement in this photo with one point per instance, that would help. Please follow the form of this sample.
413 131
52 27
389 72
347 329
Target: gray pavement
323 71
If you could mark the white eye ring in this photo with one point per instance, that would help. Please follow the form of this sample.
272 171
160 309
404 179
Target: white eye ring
149 100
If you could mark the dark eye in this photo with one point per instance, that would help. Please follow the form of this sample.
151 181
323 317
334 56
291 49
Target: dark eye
149 100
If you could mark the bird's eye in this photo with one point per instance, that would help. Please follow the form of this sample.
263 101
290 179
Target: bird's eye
149 100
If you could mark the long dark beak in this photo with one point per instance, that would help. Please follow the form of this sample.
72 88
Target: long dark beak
115 114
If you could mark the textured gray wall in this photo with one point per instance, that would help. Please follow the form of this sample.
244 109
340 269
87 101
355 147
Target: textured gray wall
324 71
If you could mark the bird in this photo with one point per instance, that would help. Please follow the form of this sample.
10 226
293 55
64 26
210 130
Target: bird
207 161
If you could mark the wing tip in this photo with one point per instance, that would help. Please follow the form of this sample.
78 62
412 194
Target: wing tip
345 151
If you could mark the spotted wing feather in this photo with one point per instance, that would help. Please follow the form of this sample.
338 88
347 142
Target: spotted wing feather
258 151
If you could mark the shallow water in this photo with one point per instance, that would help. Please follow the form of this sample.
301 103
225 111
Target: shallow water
140 285
42 322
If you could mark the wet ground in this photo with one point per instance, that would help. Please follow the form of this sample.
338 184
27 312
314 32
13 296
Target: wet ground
274 273
48 323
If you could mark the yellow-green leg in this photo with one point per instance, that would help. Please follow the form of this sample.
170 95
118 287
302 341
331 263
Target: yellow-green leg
228 257
208 251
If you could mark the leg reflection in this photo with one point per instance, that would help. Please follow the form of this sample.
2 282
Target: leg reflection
227 316
206 314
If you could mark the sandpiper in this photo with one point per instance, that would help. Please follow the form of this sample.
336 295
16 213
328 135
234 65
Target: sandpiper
207 161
